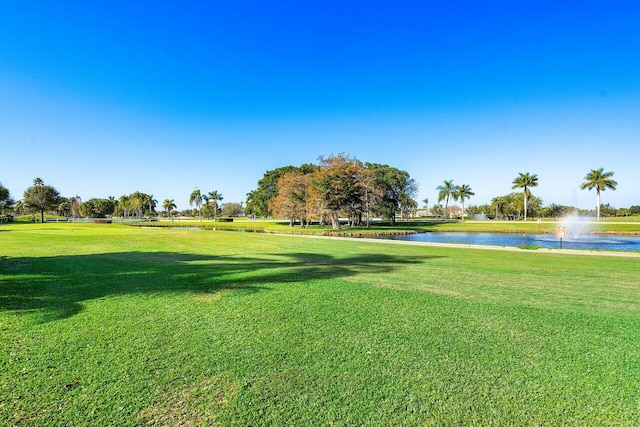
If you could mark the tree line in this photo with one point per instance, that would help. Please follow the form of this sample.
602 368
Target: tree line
337 187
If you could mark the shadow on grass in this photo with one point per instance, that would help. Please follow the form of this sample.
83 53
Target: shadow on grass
57 286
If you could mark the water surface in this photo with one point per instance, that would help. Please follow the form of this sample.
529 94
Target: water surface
587 242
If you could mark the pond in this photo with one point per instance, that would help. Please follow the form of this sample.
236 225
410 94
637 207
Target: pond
587 242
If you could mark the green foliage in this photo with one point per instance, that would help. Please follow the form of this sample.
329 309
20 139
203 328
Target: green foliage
41 197
231 209
511 206
445 192
258 200
122 326
525 181
600 180
136 204
6 202
396 188
169 206
97 208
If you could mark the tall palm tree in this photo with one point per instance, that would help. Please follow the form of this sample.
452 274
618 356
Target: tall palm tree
525 181
462 192
444 193
196 199
599 180
169 205
214 197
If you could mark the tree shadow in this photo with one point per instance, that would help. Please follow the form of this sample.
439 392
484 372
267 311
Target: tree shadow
56 287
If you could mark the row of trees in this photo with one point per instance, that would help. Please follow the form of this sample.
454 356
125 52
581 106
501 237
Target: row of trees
596 178
339 186
205 203
447 192
515 205
43 198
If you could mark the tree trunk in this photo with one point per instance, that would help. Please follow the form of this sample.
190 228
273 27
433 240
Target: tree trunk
335 222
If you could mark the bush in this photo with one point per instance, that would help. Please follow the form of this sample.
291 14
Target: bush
102 221
225 220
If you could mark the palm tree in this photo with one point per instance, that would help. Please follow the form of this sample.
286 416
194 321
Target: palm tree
169 205
499 203
444 193
600 181
214 197
196 199
462 192
524 181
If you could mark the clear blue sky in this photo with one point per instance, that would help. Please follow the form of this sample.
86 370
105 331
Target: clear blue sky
104 98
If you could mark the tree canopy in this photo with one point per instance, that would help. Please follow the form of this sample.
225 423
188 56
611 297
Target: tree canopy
525 181
136 204
6 202
98 208
258 200
600 180
41 197
339 186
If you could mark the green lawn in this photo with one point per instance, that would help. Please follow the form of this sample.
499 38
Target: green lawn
113 325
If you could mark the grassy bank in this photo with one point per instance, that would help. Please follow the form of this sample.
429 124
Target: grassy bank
114 325
403 227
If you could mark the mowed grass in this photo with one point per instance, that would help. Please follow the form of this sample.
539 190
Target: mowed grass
113 325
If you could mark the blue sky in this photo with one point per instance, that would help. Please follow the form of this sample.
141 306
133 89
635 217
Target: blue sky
105 98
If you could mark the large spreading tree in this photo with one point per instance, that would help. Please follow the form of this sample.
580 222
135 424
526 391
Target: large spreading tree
340 186
41 197
599 180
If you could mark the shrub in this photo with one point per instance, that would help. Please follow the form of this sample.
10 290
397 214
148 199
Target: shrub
102 221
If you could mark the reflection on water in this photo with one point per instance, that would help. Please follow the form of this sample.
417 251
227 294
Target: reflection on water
591 242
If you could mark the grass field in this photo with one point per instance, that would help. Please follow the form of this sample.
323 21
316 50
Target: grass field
113 325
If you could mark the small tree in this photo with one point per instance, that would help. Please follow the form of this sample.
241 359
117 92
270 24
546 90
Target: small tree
41 197
196 199
169 205
214 197
231 209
